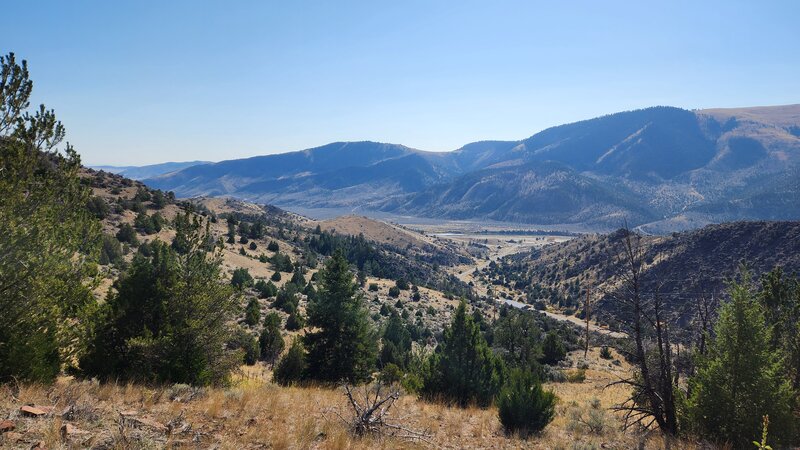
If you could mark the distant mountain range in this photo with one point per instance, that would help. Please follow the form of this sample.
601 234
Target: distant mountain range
661 169
142 172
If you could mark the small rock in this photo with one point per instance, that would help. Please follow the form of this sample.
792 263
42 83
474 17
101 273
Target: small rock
148 423
38 446
129 412
6 426
32 411
12 436
68 430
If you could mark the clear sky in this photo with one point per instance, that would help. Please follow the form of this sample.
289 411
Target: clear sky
142 82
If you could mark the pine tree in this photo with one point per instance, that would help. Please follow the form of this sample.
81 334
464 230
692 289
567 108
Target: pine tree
49 240
169 320
463 370
343 347
741 379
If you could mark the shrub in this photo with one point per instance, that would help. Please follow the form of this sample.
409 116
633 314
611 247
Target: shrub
246 342
605 352
576 376
127 234
110 251
276 276
373 287
296 321
273 246
266 289
291 366
241 278
252 313
394 292
523 406
553 349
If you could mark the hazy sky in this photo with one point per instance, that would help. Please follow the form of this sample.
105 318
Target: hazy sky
142 82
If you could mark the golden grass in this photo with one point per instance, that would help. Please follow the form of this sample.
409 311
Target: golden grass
258 414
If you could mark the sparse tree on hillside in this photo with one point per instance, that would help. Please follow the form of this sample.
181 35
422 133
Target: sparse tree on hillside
169 320
252 313
343 347
291 366
464 370
271 340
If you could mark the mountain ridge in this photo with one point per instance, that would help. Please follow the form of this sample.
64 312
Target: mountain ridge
645 166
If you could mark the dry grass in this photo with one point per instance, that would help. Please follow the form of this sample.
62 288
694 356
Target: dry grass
257 414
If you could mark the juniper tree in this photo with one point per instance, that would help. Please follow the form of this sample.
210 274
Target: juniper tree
270 341
169 319
463 370
343 345
742 378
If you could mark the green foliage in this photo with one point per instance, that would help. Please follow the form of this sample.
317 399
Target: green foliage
394 292
49 239
553 350
780 297
127 235
271 341
287 300
291 366
396 342
266 289
298 279
252 313
518 338
373 287
523 406
295 321
402 284
110 250
463 370
605 352
245 342
742 378
273 246
276 276
282 263
97 207
169 320
148 224
241 278
343 345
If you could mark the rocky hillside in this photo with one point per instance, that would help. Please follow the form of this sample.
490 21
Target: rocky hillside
681 267
664 169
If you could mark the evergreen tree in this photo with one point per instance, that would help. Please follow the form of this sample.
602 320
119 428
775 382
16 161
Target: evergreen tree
169 320
553 350
49 240
519 338
343 345
252 313
463 370
291 366
247 345
396 342
741 379
271 341
241 278
523 406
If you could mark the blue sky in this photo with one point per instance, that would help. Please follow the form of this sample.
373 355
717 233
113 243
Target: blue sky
143 82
